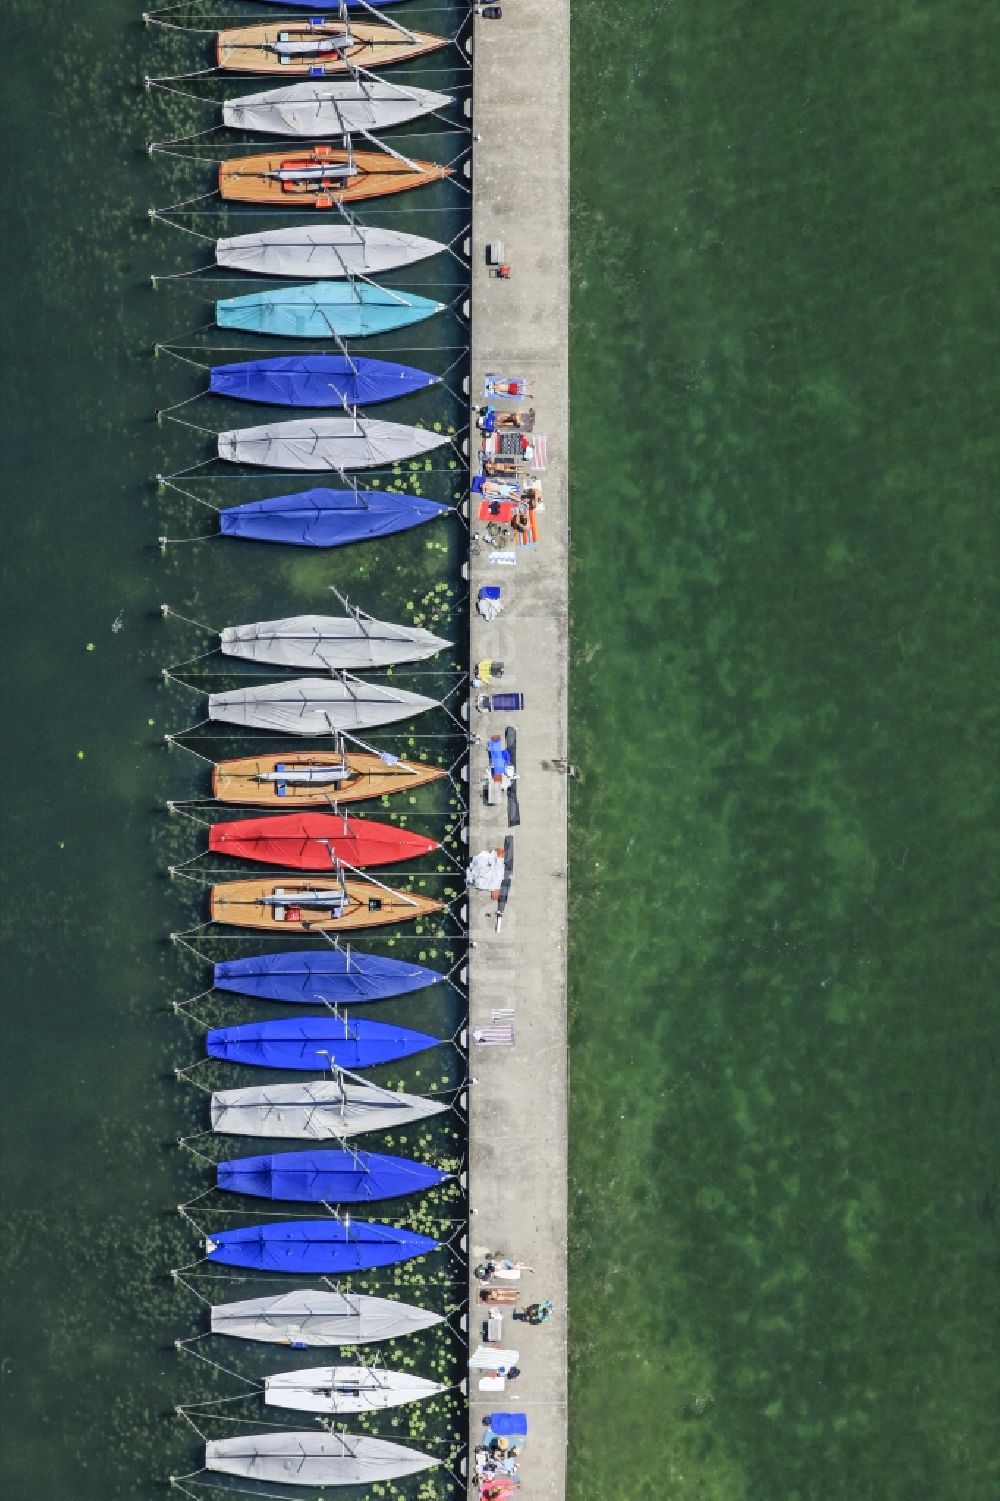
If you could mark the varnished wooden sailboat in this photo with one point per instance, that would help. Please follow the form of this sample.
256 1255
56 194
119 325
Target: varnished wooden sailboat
321 177
286 905
313 779
317 48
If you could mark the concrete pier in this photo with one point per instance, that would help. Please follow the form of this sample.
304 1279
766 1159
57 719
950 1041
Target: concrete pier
518 1107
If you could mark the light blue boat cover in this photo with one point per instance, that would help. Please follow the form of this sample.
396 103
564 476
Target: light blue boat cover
327 518
352 310
317 380
321 1247
327 1177
316 1042
315 977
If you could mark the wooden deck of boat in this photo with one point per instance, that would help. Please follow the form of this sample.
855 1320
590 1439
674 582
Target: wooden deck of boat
244 179
237 781
244 49
370 906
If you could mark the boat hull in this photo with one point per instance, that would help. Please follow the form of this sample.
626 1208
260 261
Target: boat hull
314 1043
312 841
320 1247
342 107
316 1110
322 977
320 1319
319 443
239 781
317 380
330 643
328 518
314 1459
375 174
325 310
324 250
316 706
249 49
241 904
347 1389
326 1177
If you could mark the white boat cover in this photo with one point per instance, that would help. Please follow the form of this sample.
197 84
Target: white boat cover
320 1319
312 706
316 1110
339 443
329 642
320 108
324 250
347 1388
314 1458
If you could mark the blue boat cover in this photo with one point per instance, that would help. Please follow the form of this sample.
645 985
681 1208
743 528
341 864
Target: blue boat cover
327 1177
316 1246
507 1423
316 1042
327 518
350 309
315 977
317 380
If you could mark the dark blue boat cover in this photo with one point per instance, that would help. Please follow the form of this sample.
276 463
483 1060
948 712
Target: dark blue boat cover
327 1177
327 518
316 1042
316 1246
315 977
508 1423
317 380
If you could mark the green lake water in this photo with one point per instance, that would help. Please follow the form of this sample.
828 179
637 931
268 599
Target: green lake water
784 889
784 1113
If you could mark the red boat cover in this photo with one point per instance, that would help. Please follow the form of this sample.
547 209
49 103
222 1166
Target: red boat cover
311 841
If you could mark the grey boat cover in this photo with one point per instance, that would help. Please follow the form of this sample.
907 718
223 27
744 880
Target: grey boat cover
316 443
324 250
314 1458
312 706
320 108
329 642
316 1110
347 1388
320 1319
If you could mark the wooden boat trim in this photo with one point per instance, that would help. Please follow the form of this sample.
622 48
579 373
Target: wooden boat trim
244 49
235 781
244 179
238 903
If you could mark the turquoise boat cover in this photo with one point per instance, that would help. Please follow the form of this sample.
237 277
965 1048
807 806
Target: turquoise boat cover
349 309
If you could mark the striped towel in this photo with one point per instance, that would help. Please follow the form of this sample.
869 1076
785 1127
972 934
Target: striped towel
494 1037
